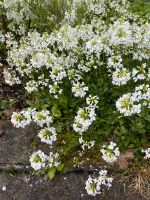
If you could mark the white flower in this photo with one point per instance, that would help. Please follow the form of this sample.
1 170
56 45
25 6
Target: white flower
79 89
48 135
55 89
95 45
94 185
121 76
92 101
53 160
104 179
85 144
127 105
147 153
42 117
142 94
10 78
74 75
110 153
115 62
84 119
139 73
21 119
57 73
120 33
31 86
37 160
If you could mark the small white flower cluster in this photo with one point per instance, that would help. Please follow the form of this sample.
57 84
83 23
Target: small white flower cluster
115 62
142 94
48 135
110 152
131 103
53 160
21 119
10 78
57 74
147 153
25 117
42 117
2 37
17 11
128 105
92 101
31 86
86 144
93 185
139 73
121 76
86 115
55 90
120 33
84 119
79 89
39 160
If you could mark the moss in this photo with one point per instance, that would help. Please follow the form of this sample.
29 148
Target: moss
68 147
92 156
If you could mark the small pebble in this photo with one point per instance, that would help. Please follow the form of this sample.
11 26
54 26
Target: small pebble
4 188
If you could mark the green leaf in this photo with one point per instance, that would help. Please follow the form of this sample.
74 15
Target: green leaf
62 101
51 173
64 170
28 102
56 112
60 167
45 106
147 118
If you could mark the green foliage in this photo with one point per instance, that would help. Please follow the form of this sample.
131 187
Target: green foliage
6 104
51 173
47 16
141 7
131 132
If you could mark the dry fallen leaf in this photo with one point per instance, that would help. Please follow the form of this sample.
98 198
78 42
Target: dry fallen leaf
24 179
129 154
123 160
8 112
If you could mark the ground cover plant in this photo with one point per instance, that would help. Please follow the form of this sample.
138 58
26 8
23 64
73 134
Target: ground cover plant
84 67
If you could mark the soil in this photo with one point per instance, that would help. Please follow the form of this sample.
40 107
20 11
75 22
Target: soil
7 92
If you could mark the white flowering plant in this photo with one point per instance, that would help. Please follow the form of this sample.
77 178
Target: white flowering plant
94 185
87 80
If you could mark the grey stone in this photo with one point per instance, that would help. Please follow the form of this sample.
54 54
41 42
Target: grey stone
16 144
62 187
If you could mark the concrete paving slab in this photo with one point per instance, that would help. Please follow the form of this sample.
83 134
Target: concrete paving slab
16 144
62 187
